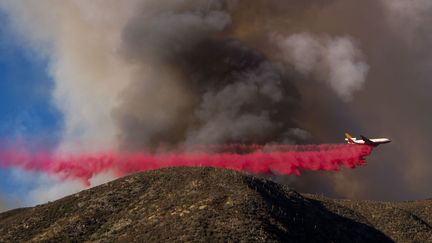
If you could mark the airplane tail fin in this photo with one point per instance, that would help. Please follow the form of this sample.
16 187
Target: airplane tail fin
349 138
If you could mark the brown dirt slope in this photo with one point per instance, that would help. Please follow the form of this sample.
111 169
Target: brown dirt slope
206 204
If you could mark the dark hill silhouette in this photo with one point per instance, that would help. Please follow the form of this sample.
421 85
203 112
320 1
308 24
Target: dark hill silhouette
206 204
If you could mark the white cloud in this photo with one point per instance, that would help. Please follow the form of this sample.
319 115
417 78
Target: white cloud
81 40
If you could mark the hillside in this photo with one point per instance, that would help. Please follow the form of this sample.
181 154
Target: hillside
206 204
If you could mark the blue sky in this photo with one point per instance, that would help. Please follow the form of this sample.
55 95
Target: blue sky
26 111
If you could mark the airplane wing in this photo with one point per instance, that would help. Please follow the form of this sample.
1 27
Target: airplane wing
367 140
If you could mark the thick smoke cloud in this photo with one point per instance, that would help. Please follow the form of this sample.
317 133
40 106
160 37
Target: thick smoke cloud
142 73
234 95
200 86
337 61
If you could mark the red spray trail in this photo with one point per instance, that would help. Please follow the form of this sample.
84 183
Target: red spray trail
275 159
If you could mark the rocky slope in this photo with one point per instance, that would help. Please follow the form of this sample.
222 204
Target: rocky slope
206 204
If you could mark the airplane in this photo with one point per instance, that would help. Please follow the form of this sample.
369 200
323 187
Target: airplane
364 140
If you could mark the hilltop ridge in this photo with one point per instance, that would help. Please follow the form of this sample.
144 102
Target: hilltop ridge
208 204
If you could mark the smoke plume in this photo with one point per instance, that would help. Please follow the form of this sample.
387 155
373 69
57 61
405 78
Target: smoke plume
140 74
337 61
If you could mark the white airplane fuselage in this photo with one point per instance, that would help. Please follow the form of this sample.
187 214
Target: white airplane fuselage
373 140
364 140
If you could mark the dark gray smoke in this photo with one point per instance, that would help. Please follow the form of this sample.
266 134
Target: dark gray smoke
197 85
233 93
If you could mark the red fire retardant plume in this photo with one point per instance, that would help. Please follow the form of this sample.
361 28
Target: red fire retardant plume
276 159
